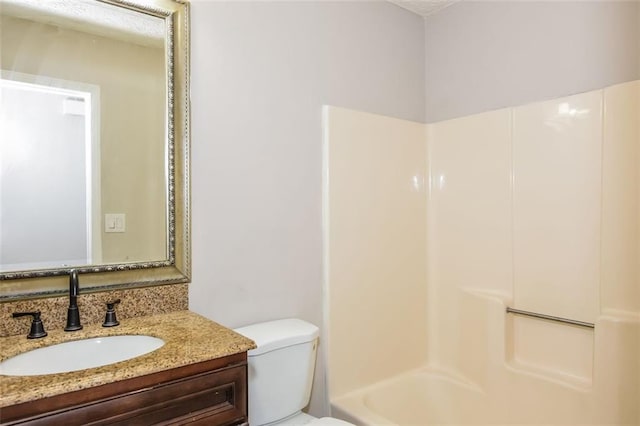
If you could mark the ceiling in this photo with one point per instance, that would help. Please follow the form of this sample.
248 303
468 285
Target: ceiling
424 7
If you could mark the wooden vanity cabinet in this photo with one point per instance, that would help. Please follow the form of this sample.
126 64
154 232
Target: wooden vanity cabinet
207 393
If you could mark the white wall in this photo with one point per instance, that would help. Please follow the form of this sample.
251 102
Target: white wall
260 73
485 55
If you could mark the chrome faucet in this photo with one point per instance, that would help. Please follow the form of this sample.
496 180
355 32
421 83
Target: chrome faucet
73 313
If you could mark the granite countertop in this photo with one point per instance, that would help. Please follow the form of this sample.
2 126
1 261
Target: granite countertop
189 338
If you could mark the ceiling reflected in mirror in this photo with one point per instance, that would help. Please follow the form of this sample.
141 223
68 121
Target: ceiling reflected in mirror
93 17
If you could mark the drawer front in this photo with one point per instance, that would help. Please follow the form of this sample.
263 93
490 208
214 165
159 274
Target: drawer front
219 397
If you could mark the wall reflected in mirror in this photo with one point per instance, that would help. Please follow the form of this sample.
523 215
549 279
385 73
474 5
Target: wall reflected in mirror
83 135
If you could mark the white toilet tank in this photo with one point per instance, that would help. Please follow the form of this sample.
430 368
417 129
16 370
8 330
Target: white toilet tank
280 368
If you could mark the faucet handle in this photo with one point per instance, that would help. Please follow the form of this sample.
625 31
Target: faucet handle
110 317
37 326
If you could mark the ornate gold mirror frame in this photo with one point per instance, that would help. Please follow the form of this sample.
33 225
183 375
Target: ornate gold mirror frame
177 267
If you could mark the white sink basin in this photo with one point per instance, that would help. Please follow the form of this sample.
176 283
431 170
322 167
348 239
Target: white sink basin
79 355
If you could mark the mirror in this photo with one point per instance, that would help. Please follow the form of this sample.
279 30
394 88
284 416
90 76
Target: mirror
94 144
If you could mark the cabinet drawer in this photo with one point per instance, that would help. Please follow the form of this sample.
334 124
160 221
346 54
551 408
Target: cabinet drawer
214 398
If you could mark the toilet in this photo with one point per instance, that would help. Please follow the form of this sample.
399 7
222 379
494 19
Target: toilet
281 373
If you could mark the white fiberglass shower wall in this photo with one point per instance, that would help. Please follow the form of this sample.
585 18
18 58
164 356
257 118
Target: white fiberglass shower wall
534 208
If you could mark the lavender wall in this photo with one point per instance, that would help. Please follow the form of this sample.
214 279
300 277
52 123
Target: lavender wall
485 55
261 72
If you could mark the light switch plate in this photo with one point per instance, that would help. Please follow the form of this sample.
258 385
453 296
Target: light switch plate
114 222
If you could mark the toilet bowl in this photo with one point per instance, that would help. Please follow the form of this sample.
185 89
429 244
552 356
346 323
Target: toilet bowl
306 419
281 373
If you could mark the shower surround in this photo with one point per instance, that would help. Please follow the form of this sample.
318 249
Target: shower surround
433 231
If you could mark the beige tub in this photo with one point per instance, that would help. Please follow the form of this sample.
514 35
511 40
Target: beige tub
422 397
502 379
426 397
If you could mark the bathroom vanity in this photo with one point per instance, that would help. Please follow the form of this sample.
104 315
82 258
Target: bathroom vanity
199 376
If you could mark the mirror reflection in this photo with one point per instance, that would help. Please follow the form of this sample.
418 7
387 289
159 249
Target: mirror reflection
83 135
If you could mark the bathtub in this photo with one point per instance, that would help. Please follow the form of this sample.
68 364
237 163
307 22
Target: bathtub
421 397
511 370
431 397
